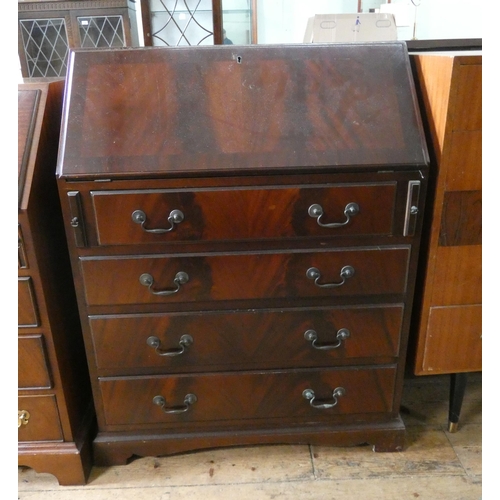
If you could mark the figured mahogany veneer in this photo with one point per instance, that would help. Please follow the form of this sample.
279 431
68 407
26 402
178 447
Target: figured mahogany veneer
55 413
213 199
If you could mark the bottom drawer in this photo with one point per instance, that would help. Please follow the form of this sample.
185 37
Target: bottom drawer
38 419
301 394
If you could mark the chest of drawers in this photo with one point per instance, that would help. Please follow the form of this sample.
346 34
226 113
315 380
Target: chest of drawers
55 412
244 230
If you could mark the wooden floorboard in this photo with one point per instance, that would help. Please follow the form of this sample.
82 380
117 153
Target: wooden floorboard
435 465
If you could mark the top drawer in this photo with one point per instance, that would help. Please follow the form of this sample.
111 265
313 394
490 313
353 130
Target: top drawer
218 214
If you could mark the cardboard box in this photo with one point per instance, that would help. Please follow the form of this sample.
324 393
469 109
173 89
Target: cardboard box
351 28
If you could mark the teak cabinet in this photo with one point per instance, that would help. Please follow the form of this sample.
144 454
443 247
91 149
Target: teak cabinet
448 326
55 413
244 227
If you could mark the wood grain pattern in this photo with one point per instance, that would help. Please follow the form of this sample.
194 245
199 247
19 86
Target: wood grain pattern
465 161
43 423
270 111
461 220
243 339
243 276
250 396
241 214
33 371
451 276
456 330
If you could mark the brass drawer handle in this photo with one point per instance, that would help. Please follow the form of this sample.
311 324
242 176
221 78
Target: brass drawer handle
345 273
181 278
312 336
189 400
316 212
322 405
23 417
184 341
175 217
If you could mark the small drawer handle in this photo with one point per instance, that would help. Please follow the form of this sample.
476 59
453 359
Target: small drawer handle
181 278
184 341
324 405
175 217
316 212
345 273
23 417
312 336
189 400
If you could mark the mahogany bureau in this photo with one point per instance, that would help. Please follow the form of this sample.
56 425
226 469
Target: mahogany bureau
244 228
55 412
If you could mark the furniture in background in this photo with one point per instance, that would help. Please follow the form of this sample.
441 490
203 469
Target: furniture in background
47 30
244 255
55 413
199 22
447 321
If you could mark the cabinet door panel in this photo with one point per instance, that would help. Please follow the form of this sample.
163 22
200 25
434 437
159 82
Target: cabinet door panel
244 276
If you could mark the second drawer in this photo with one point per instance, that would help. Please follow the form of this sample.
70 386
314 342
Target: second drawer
173 279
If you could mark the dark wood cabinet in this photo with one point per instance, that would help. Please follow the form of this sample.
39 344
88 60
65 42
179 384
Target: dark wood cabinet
244 245
55 412
48 30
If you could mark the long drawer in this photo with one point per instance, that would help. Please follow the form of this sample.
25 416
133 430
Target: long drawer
309 394
164 216
244 276
243 340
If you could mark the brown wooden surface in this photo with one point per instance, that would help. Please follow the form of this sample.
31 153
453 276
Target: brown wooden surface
249 396
32 369
242 213
27 311
52 372
43 423
446 337
281 108
243 340
244 277
239 138
457 331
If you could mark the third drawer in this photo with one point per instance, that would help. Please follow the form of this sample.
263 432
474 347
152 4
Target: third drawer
196 342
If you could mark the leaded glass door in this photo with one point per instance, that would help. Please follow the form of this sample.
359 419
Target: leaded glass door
45 45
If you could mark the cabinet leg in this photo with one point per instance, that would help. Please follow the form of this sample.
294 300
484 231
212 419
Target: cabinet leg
457 389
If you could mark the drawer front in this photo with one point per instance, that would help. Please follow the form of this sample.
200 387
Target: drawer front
32 364
214 277
241 214
38 419
234 396
244 340
27 310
